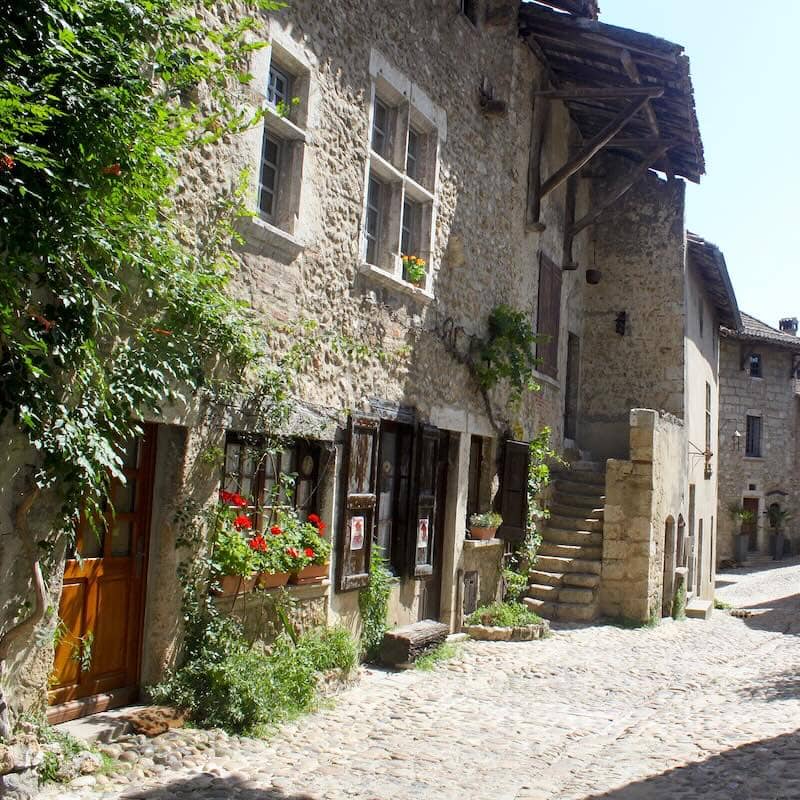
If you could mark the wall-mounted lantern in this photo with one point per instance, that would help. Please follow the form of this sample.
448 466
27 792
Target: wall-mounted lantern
737 440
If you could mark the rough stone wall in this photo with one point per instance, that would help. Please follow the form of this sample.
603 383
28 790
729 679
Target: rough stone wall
641 494
773 398
640 252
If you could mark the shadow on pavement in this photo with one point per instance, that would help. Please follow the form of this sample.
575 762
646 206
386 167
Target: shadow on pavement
209 787
764 770
781 615
781 686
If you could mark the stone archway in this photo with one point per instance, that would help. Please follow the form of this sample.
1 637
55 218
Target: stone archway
670 562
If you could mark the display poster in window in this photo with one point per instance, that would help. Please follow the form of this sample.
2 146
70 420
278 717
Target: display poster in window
423 529
357 525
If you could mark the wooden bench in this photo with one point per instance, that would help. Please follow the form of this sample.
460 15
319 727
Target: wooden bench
402 646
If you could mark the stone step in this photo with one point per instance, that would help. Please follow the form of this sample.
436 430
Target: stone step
567 509
593 476
585 501
563 536
564 612
556 564
566 486
571 551
569 594
542 578
543 591
697 608
566 522
583 580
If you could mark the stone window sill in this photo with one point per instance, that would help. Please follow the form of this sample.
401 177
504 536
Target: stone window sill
392 282
302 592
540 377
478 544
272 238
283 127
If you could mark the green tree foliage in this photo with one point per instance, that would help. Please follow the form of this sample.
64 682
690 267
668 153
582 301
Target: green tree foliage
108 306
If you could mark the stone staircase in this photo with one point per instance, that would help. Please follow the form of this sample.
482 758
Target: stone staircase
564 582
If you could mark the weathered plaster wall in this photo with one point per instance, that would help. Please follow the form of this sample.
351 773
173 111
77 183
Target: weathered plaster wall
702 356
641 493
640 252
773 398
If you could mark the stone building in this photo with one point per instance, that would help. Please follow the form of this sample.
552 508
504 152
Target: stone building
513 147
758 433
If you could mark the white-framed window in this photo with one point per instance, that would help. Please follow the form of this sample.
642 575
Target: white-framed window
269 176
278 87
400 198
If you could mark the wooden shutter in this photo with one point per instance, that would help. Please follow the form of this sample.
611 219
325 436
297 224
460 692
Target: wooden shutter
514 492
548 315
359 504
422 531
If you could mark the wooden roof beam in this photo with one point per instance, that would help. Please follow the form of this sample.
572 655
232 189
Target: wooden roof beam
602 92
593 146
629 65
586 43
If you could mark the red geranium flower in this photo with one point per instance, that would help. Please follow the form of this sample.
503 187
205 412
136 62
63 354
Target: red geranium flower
276 530
258 542
314 519
292 551
113 169
6 162
233 499
309 552
239 501
242 523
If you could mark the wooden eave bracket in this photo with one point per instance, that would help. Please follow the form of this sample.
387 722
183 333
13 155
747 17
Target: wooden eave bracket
538 189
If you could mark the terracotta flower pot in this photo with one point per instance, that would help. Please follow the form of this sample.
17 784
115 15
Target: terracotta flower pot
313 573
273 580
231 585
482 534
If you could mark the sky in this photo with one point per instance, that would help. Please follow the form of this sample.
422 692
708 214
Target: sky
743 62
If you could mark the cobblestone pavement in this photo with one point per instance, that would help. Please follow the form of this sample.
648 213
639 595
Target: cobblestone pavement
690 709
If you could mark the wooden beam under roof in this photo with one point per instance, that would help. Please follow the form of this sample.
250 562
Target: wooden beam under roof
593 146
578 8
601 92
629 65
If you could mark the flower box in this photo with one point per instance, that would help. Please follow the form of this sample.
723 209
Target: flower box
313 573
482 534
272 580
232 585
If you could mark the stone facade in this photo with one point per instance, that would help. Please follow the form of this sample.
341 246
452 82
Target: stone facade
307 260
771 477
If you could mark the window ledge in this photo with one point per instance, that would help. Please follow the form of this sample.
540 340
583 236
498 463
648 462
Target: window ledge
273 239
389 280
754 458
540 377
282 126
306 591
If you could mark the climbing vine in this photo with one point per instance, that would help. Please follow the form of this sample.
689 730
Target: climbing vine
109 307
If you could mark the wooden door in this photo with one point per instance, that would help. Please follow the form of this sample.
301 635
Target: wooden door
433 588
98 641
751 528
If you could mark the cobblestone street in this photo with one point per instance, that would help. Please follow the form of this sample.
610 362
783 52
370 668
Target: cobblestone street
690 709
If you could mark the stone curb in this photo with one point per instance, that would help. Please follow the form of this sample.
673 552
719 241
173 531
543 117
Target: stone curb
522 633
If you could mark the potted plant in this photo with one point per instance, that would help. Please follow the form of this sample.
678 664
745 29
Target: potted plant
233 560
271 562
744 517
778 517
414 270
484 526
305 547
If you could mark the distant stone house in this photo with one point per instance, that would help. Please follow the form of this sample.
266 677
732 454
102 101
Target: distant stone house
758 433
510 146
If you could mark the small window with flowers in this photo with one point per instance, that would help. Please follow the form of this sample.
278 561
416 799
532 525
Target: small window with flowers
260 475
400 197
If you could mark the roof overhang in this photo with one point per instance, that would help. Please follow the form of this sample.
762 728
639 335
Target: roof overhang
598 69
713 270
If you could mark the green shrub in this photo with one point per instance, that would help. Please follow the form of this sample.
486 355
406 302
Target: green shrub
444 652
373 602
228 683
503 615
515 583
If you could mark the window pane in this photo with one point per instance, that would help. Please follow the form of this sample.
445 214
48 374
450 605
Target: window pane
268 185
125 497
380 116
130 458
412 214
121 538
277 87
92 541
373 220
412 155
